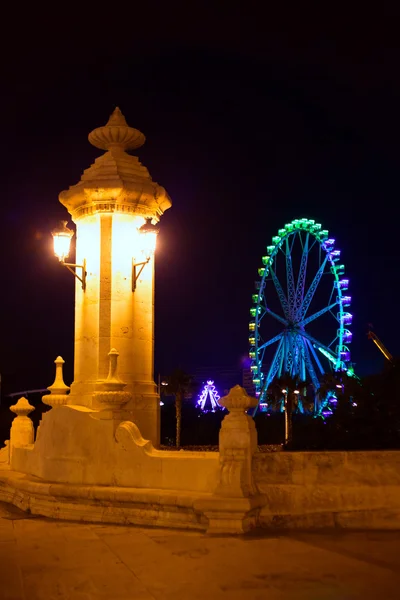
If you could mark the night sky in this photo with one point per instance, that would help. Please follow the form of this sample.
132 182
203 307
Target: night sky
248 126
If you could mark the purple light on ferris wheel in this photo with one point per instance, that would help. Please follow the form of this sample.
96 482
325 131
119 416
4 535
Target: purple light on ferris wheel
347 336
347 318
346 300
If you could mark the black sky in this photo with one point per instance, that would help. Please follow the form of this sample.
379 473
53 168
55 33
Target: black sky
248 124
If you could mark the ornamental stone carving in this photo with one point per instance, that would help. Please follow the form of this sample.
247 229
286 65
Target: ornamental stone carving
58 390
117 181
22 432
109 393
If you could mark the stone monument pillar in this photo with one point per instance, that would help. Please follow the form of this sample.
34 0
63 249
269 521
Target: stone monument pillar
113 199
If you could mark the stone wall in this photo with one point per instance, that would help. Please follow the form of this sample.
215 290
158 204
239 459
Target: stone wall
90 465
75 446
329 489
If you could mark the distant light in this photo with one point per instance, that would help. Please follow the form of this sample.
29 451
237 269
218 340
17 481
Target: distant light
209 393
161 403
284 391
296 392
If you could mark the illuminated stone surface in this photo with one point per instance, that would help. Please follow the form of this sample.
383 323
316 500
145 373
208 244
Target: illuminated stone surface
108 205
43 559
89 466
22 433
235 503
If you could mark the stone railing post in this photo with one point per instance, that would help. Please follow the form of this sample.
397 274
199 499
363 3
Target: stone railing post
235 504
22 432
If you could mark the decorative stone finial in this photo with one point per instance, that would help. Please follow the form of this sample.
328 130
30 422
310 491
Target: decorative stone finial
22 432
116 134
117 119
58 390
110 392
238 400
22 408
113 382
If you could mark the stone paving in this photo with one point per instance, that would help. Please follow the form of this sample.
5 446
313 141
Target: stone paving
45 559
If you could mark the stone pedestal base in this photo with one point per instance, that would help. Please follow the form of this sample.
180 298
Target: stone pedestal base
230 515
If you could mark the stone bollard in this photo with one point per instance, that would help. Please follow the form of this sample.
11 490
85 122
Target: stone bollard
58 390
22 432
235 504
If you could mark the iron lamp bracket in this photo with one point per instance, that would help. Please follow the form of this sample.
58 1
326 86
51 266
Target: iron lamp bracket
73 267
137 269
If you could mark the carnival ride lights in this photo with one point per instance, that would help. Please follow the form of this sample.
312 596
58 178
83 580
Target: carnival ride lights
298 353
379 344
209 397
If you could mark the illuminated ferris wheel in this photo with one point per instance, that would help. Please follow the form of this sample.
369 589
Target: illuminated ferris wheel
300 315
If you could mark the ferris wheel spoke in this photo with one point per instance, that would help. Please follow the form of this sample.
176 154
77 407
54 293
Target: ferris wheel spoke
277 317
317 314
311 290
289 353
281 294
310 347
333 341
290 279
309 365
301 280
271 341
320 346
296 355
275 365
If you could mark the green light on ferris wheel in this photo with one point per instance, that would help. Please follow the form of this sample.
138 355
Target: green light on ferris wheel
328 355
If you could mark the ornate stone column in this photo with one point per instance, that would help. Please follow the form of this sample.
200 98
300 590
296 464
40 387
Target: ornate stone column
110 203
234 506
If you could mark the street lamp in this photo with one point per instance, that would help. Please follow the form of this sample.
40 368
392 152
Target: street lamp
148 238
62 241
284 392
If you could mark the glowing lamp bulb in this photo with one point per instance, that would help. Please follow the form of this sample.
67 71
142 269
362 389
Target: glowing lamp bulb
296 392
284 391
148 238
62 240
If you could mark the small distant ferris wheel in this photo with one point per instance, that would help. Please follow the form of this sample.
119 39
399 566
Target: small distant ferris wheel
300 314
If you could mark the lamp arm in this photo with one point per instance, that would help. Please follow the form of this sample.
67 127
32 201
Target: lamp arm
136 273
72 266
